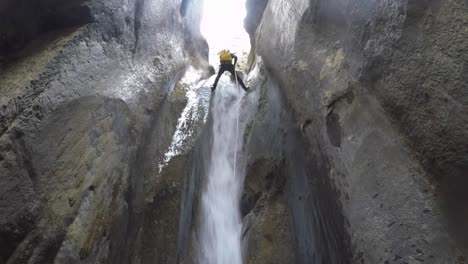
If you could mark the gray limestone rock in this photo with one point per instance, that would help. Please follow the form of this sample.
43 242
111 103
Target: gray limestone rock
356 141
377 91
83 88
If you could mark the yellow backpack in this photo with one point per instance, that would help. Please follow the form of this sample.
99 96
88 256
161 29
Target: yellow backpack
225 55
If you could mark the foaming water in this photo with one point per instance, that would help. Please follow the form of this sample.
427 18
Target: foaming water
221 224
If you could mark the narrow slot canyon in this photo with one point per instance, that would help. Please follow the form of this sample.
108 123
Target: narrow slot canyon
349 143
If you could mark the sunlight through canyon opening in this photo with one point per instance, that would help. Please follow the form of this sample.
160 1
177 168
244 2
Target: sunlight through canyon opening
223 27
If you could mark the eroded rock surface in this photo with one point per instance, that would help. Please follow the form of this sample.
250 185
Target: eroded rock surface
377 145
355 146
87 111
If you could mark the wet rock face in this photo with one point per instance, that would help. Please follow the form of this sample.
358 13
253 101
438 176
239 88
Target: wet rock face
293 213
82 88
376 90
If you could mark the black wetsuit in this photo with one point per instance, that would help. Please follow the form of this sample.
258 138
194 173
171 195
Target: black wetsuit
228 66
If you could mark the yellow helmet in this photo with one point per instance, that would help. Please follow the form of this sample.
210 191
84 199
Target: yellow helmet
223 51
225 55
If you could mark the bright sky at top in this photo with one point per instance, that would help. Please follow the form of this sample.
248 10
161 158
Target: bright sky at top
223 27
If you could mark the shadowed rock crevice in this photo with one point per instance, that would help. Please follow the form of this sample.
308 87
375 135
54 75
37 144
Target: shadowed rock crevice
334 129
262 180
69 16
292 211
43 247
316 213
21 21
139 7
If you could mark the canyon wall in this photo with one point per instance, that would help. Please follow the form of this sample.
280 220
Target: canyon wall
88 107
377 94
356 142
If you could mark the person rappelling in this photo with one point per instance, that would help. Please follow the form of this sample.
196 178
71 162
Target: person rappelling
225 58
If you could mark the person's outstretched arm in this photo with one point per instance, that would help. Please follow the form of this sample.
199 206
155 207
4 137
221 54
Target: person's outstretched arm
235 58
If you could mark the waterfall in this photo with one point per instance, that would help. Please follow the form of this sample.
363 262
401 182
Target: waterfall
220 219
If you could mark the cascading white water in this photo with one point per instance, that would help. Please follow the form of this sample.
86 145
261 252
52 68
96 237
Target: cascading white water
221 224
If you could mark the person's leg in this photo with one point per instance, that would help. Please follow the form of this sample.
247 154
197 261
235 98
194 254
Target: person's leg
242 84
239 80
220 72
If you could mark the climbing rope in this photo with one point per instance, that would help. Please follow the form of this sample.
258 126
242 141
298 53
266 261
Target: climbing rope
237 125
